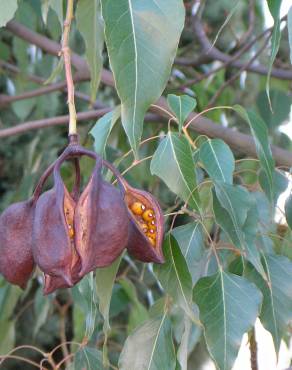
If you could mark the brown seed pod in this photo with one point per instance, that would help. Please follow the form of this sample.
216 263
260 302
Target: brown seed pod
75 236
68 235
53 231
16 260
53 247
143 244
146 247
104 219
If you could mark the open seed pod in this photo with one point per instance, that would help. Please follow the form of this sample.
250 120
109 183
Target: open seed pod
146 225
74 236
101 225
53 233
16 260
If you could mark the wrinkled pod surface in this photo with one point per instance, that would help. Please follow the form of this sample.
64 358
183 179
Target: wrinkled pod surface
90 231
146 226
68 234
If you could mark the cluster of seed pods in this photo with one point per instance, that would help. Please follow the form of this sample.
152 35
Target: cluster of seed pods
68 234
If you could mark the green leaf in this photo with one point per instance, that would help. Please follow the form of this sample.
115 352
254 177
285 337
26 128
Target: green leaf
280 182
183 350
175 277
288 210
57 6
281 103
45 10
7 336
42 306
289 25
91 27
260 135
274 7
56 71
235 212
276 311
102 129
190 238
142 39
218 160
85 296
182 106
173 163
150 347
8 8
88 358
236 200
138 313
229 305
105 279
9 295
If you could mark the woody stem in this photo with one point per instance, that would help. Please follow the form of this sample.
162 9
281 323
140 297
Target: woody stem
68 71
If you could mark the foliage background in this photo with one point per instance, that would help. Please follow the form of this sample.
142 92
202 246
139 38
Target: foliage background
163 302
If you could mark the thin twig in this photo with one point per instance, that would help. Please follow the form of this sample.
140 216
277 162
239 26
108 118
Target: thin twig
68 70
253 351
14 357
237 140
236 75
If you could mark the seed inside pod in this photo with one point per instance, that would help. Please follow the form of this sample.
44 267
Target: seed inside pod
69 216
148 215
144 217
152 226
138 208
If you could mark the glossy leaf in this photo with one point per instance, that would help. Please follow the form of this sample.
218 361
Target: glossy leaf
218 160
8 8
276 312
229 305
142 39
102 129
182 106
260 135
190 238
174 164
91 27
149 347
175 277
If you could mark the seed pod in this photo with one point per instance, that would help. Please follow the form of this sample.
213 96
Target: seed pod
145 245
16 260
53 232
52 283
101 225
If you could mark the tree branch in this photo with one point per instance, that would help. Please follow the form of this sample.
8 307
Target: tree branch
49 122
216 54
238 141
63 120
